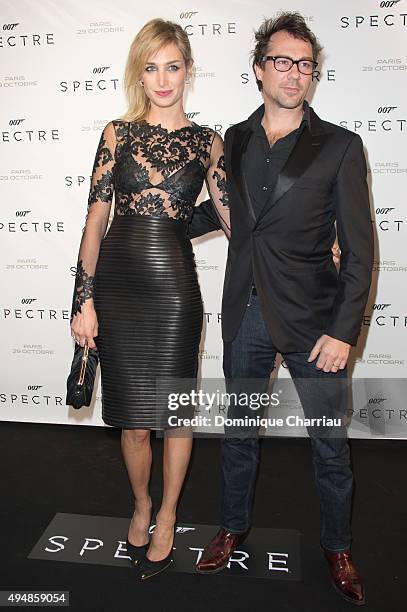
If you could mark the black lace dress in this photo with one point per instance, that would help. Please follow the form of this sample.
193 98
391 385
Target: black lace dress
141 274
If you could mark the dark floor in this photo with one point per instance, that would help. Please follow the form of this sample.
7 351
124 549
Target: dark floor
55 468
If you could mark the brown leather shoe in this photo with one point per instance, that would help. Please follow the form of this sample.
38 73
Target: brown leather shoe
345 576
217 553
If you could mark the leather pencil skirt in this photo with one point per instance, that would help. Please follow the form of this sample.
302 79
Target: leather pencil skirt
149 308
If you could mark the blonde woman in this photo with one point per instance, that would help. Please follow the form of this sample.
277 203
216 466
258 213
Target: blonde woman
136 294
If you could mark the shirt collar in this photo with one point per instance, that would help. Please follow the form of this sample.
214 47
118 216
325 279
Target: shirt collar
255 120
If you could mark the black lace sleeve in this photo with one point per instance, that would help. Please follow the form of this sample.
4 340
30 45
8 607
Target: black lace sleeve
98 212
216 184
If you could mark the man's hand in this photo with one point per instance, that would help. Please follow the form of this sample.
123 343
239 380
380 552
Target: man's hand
336 252
333 354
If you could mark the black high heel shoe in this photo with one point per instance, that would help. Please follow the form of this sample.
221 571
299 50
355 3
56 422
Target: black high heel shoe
148 568
137 553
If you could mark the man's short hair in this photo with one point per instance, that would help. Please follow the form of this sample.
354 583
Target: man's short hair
294 24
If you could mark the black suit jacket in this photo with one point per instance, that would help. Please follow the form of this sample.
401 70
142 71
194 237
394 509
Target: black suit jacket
286 250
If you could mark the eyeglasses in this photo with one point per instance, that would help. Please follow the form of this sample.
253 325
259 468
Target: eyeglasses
284 64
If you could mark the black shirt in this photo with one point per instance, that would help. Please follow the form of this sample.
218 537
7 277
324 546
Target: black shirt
265 162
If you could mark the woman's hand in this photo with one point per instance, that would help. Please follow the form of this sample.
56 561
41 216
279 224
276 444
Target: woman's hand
84 325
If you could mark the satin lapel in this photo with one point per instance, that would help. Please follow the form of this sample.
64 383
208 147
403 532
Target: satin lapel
238 156
304 153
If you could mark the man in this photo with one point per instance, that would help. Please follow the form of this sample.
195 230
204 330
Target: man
291 179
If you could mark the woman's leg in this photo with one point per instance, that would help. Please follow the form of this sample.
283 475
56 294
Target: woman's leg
177 452
137 456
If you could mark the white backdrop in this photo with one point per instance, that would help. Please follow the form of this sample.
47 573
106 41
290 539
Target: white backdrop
61 72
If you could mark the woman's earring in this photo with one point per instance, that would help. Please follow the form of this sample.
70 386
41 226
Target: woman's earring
141 83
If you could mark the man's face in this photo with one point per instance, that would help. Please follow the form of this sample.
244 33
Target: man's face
285 89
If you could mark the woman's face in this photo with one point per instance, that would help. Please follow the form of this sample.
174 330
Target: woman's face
164 76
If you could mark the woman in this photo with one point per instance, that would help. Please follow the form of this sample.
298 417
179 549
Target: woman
136 290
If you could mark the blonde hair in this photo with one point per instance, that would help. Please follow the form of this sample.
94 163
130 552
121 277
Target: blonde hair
154 35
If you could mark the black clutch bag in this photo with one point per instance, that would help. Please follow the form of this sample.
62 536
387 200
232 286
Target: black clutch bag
81 378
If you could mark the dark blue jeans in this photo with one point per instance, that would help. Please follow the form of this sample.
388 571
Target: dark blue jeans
251 355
